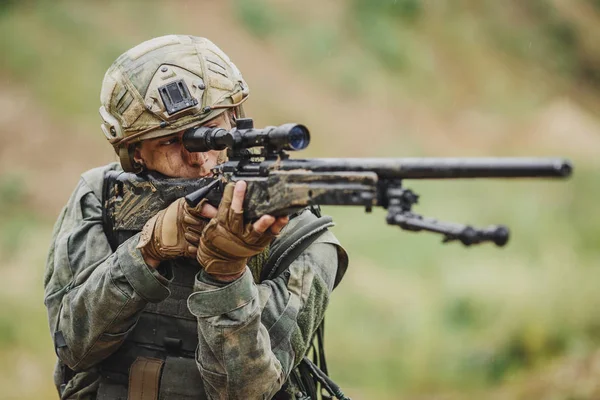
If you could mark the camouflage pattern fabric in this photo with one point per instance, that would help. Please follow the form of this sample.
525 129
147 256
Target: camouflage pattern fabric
250 335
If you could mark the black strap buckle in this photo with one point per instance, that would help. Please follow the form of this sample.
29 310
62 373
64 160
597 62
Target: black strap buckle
172 345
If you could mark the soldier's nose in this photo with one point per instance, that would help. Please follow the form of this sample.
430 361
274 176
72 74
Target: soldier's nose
194 159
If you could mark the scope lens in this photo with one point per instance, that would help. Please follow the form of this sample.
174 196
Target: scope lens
299 137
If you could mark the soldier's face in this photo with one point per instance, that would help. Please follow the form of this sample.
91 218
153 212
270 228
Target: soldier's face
168 156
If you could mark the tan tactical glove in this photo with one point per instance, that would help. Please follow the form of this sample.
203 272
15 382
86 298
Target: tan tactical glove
227 242
172 232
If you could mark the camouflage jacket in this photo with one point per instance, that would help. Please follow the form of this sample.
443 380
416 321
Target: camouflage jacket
250 335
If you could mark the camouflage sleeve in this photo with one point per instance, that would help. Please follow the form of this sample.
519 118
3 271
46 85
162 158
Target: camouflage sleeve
93 296
252 335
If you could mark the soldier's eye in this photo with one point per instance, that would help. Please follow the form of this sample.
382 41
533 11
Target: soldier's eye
170 141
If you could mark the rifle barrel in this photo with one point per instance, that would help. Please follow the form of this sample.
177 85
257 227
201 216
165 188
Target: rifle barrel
437 168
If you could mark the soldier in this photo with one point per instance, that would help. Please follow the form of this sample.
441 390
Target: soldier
178 310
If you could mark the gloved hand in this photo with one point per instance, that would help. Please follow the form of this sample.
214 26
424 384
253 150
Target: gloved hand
172 232
227 242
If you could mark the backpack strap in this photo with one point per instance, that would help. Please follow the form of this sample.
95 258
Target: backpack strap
283 253
94 178
310 376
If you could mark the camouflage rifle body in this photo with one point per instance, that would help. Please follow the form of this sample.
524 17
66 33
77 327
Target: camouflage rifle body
278 185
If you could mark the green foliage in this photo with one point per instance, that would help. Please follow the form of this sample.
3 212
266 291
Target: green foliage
12 192
560 35
549 37
580 210
321 42
522 351
5 5
462 313
402 10
8 336
381 37
257 16
379 25
595 3
54 48
15 220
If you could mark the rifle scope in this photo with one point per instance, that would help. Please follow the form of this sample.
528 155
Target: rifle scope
284 137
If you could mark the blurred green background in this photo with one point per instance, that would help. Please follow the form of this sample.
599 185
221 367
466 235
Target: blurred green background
413 318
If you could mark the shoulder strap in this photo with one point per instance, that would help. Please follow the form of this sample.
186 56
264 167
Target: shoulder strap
308 375
94 178
285 252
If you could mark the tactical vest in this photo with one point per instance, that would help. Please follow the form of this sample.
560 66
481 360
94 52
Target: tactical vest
158 356
165 331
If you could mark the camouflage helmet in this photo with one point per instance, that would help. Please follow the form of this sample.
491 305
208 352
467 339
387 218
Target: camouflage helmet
163 86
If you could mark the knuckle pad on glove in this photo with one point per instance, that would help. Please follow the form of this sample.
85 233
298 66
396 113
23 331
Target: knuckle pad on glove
191 220
170 233
234 247
227 241
217 263
196 231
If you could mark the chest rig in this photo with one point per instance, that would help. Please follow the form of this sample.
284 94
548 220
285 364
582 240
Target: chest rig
166 332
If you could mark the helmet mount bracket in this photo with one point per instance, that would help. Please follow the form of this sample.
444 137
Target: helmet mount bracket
176 96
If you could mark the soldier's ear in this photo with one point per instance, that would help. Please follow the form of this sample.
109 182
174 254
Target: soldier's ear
232 118
137 154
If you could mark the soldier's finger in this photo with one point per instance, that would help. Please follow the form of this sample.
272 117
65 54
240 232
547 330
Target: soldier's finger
238 196
192 238
263 223
196 230
191 251
227 196
191 220
208 211
279 224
